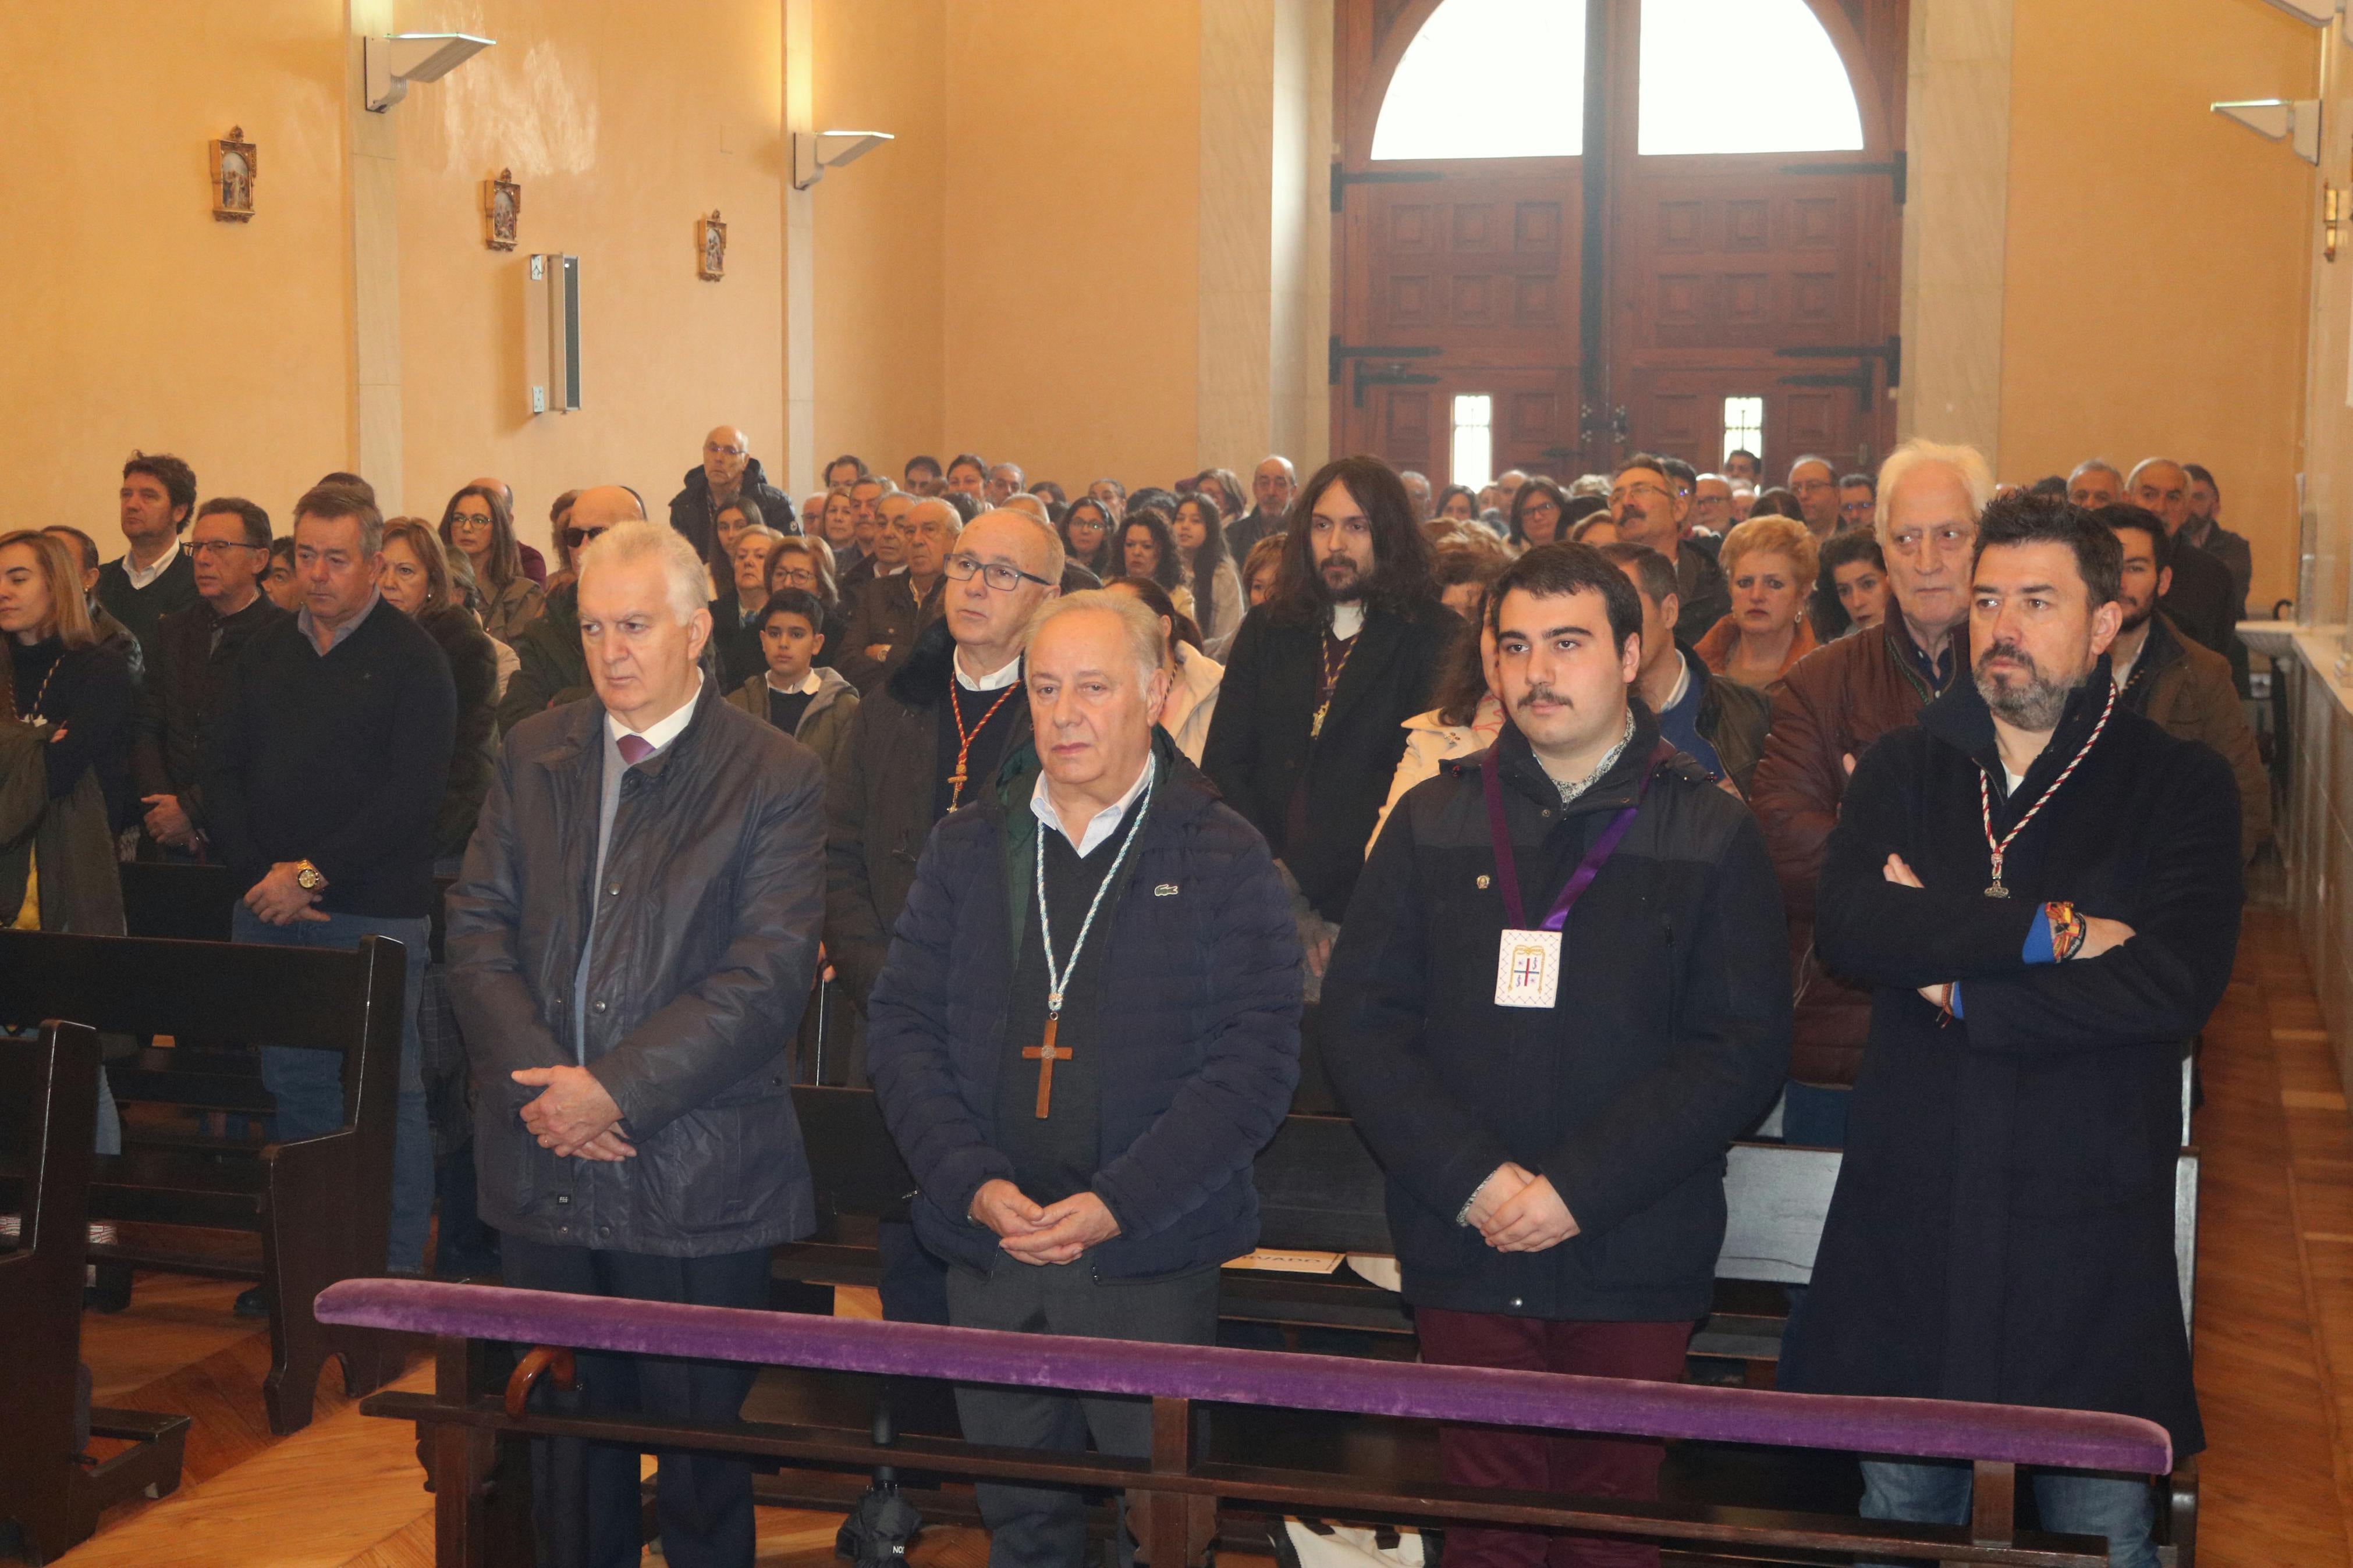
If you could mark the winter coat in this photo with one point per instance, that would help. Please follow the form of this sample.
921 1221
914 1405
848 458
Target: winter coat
1192 704
696 979
1430 743
884 610
1670 1035
183 694
1831 706
691 513
825 723
879 801
2003 1224
1260 746
2185 689
474 669
513 607
551 670
1198 931
1715 648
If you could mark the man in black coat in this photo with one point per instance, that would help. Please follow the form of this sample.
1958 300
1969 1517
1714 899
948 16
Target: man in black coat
1321 680
728 471
1087 1028
1650 507
930 738
631 943
2203 601
2042 889
195 649
1552 1099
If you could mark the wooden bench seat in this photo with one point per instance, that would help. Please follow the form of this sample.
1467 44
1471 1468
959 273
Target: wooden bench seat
321 1206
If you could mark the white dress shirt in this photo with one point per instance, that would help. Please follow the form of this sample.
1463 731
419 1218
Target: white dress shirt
1099 826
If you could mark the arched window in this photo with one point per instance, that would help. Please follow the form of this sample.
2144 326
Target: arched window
1742 76
1489 79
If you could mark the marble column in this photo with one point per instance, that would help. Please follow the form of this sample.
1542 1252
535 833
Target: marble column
1957 135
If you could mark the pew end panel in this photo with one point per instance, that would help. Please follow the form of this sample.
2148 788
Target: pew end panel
49 1089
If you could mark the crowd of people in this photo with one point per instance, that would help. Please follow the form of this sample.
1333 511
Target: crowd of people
1557 834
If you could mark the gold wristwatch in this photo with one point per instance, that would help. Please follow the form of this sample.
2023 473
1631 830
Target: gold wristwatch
308 878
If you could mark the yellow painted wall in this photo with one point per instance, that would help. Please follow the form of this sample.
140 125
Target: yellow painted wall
623 127
129 317
881 355
2155 274
1070 228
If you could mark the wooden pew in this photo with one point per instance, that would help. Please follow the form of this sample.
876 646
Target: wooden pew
321 1206
1321 1190
48 1102
1174 1497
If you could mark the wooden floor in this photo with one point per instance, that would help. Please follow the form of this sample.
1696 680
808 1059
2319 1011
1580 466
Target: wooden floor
2274 1354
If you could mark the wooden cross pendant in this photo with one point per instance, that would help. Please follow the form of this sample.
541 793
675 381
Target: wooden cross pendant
1045 1054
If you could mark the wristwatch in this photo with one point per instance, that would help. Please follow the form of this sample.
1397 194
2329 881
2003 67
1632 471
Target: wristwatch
308 878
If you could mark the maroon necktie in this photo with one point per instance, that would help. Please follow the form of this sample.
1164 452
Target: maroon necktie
634 749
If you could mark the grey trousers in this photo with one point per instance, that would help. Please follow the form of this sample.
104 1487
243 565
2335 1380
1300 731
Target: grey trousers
1046 1527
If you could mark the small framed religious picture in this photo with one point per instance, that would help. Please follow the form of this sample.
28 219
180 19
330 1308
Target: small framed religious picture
232 171
710 247
501 207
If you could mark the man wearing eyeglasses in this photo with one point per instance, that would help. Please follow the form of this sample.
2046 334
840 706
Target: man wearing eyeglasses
1649 509
1815 484
1858 501
931 737
228 545
728 473
1829 710
892 608
554 668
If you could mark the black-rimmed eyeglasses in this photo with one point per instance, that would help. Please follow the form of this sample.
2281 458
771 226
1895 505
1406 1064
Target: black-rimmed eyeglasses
995 573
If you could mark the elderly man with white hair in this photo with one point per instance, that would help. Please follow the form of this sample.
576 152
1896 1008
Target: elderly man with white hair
1084 1165
630 947
1825 714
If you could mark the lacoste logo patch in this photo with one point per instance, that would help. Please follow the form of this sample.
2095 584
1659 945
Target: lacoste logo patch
1164 890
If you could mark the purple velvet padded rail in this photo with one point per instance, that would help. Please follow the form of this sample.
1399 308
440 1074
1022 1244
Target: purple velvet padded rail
1928 1428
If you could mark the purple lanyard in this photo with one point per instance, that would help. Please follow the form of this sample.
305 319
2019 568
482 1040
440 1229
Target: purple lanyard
1507 870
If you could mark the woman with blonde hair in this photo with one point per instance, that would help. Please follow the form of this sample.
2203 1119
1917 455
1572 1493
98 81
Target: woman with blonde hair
65 758
1769 562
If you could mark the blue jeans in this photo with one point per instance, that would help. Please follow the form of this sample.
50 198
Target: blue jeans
309 1084
2071 1502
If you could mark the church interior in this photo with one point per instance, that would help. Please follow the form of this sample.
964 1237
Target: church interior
559 240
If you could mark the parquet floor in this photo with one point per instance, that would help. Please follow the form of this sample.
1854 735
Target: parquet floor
2274 1354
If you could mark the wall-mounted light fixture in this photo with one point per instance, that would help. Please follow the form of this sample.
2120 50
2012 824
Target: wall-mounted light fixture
394 61
814 151
2295 121
2319 12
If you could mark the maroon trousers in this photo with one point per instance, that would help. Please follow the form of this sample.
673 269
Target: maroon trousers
1547 1462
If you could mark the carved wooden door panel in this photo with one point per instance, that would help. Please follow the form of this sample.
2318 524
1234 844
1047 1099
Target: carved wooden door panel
1696 279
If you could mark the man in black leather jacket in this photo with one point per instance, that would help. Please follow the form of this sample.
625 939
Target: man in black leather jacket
630 947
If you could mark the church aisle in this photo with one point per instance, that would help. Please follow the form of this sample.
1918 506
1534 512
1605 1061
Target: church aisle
2274 1322
2275 1353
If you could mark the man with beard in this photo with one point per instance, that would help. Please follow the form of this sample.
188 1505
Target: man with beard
1321 680
2183 688
2201 600
1649 509
2003 1224
1549 1085
1825 714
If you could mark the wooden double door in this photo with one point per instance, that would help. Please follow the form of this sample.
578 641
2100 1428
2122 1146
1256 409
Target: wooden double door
1612 302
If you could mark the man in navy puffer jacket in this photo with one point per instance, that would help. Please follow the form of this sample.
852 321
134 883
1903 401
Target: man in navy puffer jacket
1087 1028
